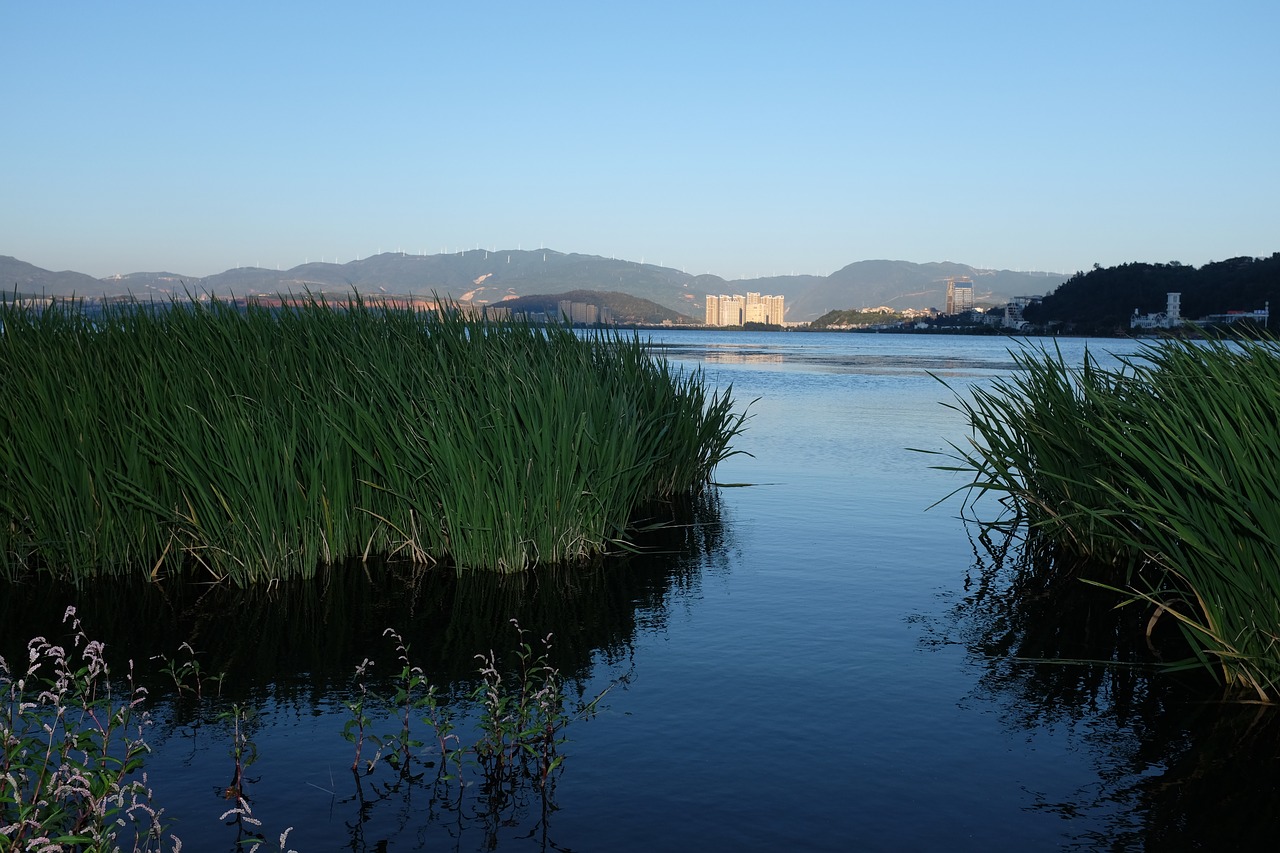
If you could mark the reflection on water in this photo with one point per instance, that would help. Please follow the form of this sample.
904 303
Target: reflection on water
262 635
743 357
1176 769
288 654
794 351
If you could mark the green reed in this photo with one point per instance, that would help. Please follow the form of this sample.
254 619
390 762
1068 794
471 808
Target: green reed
1164 468
253 444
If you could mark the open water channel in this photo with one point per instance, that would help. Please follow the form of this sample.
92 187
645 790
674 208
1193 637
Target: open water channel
809 665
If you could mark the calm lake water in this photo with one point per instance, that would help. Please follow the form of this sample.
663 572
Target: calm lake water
808 667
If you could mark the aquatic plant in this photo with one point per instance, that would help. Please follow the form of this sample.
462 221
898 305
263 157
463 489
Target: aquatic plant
187 674
253 443
243 752
71 770
355 728
521 726
518 713
1163 468
72 774
414 693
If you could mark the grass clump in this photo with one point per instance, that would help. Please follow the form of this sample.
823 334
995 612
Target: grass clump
1164 468
255 443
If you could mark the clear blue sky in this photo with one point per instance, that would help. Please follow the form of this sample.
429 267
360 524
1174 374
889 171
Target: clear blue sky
739 138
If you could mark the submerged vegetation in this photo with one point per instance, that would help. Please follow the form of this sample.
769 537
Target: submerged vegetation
1164 472
252 445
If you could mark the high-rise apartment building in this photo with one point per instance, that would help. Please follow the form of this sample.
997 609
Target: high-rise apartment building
713 310
725 310
959 294
773 309
584 313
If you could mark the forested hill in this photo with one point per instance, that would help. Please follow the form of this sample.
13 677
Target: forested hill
627 309
1102 300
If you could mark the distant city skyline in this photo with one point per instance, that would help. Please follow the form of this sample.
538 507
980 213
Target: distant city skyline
744 140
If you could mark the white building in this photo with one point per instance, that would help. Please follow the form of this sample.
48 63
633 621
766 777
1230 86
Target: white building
1013 311
1170 318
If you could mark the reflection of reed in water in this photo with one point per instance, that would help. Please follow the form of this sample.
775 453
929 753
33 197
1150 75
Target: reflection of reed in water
1177 769
305 637
311 644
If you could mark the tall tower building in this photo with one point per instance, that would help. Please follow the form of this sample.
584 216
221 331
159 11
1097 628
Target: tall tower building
959 294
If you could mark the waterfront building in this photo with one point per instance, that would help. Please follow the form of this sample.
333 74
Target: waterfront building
733 310
1171 317
1013 311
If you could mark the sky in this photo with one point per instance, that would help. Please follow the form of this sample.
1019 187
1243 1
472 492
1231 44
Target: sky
739 138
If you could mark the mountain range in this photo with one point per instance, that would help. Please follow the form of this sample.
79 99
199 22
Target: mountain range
489 277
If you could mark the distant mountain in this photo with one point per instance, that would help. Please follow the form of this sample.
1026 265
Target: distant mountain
25 278
902 284
488 277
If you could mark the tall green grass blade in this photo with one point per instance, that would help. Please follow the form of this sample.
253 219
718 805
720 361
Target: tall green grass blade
1164 468
254 443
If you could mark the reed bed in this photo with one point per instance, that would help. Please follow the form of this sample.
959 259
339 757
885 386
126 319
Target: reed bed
1166 469
252 444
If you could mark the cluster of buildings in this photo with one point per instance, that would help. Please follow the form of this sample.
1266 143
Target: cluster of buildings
726 310
1171 317
584 313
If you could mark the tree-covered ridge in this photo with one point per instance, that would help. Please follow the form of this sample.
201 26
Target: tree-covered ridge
627 309
1102 300
853 318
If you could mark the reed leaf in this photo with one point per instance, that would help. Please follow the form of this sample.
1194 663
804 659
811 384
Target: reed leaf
1164 468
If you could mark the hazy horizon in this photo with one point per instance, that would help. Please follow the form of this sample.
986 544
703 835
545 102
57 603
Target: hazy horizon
500 249
743 139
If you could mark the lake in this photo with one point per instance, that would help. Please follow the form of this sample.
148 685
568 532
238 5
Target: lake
808 664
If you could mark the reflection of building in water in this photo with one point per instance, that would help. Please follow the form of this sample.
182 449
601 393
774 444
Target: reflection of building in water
743 358
959 294
725 310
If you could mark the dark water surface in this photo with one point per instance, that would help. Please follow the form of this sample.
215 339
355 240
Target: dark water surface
808 666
